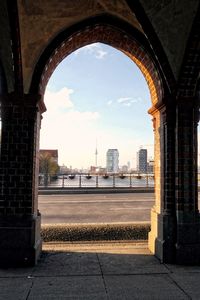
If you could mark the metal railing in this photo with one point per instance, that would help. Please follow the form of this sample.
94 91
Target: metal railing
98 181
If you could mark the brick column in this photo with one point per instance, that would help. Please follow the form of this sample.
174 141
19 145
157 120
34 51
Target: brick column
188 222
162 236
20 241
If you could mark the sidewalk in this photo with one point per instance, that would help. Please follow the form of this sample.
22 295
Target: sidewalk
100 270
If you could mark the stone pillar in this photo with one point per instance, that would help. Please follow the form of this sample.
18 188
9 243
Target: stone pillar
20 241
162 236
188 221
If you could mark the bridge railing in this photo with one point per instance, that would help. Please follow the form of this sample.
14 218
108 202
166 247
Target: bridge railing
97 181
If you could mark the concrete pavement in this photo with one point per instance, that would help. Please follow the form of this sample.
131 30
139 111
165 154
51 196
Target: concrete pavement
96 208
92 271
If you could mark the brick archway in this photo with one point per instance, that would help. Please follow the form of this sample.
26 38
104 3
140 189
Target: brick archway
140 53
175 219
107 34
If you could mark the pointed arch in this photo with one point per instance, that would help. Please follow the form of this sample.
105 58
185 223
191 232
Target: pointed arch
104 29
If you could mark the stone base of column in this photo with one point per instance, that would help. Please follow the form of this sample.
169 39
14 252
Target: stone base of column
188 239
188 254
162 236
20 241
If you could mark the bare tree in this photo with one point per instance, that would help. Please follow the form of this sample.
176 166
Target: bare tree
47 166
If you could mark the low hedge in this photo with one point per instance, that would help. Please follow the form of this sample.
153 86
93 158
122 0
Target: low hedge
90 232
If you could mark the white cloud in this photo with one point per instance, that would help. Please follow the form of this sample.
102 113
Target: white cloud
77 116
94 49
60 106
123 99
136 100
69 130
100 54
128 101
127 104
109 102
59 100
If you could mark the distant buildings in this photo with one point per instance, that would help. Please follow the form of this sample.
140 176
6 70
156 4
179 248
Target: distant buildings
64 170
124 169
142 161
97 170
93 169
150 166
112 160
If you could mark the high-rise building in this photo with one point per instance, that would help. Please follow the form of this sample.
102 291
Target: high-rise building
142 161
150 168
112 160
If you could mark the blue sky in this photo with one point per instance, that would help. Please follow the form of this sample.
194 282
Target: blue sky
96 93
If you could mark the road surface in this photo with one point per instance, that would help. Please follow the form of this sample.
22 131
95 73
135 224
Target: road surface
96 208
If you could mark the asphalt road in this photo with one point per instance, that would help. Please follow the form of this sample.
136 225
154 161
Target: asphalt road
96 208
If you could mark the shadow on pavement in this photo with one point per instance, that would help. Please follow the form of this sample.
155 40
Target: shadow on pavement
99 271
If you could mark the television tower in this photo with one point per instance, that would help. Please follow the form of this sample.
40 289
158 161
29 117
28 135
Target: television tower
96 154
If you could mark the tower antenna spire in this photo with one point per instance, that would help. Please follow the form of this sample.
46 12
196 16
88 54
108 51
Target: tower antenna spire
96 154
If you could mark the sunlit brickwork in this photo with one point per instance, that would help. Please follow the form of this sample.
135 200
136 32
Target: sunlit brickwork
113 37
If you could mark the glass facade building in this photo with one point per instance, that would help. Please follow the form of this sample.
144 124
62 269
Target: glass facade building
142 161
112 160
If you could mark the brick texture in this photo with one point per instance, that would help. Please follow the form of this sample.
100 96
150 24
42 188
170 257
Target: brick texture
114 37
18 156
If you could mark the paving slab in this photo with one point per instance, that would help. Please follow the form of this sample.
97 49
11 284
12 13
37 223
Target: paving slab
155 287
15 288
189 282
130 263
75 287
103 270
57 263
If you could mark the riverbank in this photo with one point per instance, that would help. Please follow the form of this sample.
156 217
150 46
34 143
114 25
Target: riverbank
93 190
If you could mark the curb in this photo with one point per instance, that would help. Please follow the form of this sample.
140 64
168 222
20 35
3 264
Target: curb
56 191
